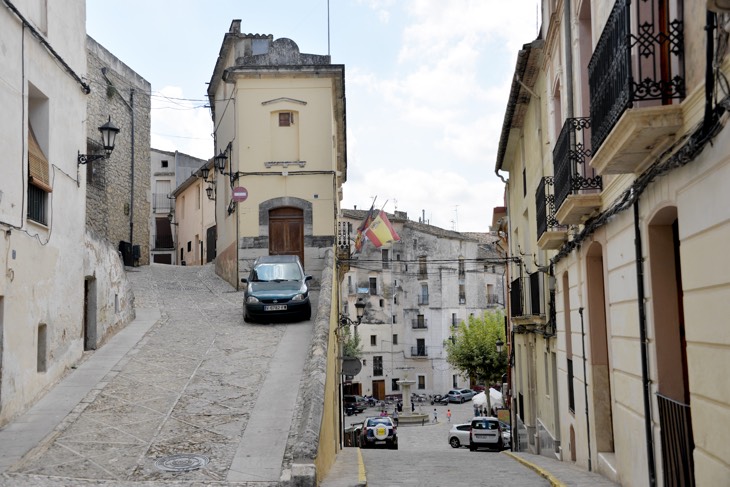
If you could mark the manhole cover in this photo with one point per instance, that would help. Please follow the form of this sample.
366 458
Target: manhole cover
183 462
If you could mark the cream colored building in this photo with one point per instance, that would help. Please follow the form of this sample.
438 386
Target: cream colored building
62 290
617 201
280 129
194 229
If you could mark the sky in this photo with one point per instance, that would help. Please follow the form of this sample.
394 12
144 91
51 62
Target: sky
426 84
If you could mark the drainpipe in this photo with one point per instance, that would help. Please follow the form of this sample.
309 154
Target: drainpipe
644 347
585 385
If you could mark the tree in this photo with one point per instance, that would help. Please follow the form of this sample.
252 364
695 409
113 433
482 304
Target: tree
351 343
473 349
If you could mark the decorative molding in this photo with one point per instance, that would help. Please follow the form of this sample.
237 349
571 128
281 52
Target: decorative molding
282 100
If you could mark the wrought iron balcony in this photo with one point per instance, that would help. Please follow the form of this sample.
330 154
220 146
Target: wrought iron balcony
163 241
635 74
419 352
550 234
419 323
577 186
161 203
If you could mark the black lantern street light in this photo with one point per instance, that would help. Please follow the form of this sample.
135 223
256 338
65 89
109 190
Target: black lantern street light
109 133
209 192
170 217
220 161
500 344
204 171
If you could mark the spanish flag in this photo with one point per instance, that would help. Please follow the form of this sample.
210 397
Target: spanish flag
380 231
360 238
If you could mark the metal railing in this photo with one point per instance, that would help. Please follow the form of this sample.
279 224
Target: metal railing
635 62
419 324
571 158
526 295
419 352
161 203
677 443
164 242
545 202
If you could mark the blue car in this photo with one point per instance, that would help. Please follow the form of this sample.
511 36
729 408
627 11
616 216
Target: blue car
276 288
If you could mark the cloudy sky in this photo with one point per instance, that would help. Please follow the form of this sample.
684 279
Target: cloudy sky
426 82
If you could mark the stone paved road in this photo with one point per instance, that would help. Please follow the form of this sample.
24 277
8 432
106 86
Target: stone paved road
189 387
425 459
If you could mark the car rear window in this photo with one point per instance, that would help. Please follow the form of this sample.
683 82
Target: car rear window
485 424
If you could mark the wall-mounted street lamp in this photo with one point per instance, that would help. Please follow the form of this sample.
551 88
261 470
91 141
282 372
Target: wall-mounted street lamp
170 217
109 133
360 311
204 171
500 344
209 191
220 161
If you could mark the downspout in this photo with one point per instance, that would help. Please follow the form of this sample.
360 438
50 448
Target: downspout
131 197
585 385
644 347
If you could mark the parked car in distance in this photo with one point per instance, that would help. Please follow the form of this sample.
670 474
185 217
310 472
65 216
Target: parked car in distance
354 404
441 399
485 432
459 435
276 287
506 434
379 431
460 395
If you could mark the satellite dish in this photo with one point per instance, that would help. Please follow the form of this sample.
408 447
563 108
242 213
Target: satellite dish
351 366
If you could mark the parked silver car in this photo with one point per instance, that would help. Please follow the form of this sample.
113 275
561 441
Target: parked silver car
460 395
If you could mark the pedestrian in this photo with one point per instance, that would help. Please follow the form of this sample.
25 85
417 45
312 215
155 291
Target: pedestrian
476 410
435 416
395 416
413 407
448 414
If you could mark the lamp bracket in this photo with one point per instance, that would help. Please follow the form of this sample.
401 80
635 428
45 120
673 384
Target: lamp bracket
84 158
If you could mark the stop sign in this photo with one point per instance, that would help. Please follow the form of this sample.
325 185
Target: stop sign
240 193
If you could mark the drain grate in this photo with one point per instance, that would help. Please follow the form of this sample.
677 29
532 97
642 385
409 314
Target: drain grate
182 462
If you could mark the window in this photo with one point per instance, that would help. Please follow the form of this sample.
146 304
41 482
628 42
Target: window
571 394
395 339
454 381
524 182
423 297
421 381
163 163
382 303
386 262
462 271
454 321
373 340
421 347
462 293
38 173
190 246
286 119
378 365
394 319
373 285
394 384
422 268
420 321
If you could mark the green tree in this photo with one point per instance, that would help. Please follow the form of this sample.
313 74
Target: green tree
351 346
473 348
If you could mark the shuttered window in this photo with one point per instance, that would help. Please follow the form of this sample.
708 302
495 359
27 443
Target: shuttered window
37 163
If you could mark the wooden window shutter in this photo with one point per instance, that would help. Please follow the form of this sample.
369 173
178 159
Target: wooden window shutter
37 163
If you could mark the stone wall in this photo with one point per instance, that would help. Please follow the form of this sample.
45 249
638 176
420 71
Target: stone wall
118 188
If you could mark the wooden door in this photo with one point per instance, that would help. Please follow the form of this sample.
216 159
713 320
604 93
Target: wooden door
286 232
379 389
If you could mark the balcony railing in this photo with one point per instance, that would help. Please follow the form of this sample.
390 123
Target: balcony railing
419 324
635 62
571 158
161 203
419 352
677 444
545 201
423 299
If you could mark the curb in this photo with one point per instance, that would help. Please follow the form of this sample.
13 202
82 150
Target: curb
362 480
539 470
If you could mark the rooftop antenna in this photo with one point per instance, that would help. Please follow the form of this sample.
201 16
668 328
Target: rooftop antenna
328 27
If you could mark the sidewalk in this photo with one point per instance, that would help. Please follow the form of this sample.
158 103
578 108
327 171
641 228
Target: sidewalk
70 395
560 474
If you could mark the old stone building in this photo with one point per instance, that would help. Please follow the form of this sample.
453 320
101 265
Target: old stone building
118 188
416 291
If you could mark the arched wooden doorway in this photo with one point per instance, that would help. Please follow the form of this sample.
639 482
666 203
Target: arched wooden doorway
286 232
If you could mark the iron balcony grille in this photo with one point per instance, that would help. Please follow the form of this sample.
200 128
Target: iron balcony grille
164 242
421 324
161 203
37 199
419 352
545 211
635 62
677 444
571 161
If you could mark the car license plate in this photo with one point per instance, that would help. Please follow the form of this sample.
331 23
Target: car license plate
381 442
275 307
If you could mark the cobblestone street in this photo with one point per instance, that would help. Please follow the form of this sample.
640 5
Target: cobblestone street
183 397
